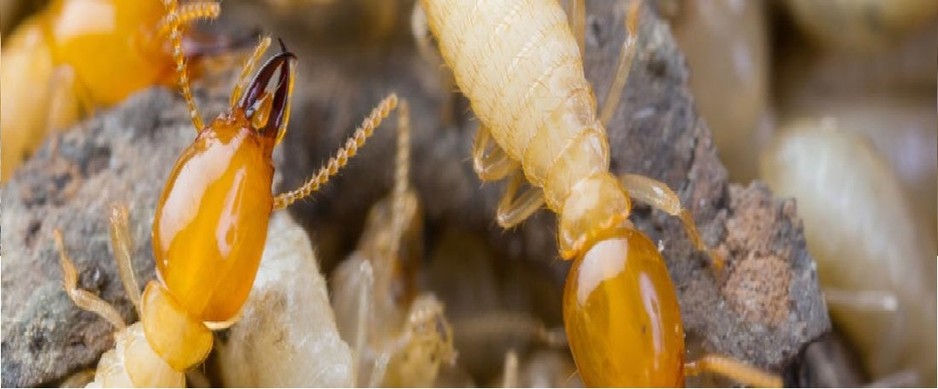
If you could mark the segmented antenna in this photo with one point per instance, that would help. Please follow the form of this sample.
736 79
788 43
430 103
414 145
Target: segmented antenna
401 173
342 157
175 16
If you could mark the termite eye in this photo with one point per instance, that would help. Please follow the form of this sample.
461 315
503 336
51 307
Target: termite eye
267 101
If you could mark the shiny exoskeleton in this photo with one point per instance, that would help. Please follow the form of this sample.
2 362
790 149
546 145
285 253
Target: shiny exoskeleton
77 55
522 71
209 230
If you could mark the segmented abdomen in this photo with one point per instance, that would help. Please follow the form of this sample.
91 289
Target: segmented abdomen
133 363
520 67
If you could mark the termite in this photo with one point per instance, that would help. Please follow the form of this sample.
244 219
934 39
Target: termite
875 280
521 68
75 56
398 337
210 226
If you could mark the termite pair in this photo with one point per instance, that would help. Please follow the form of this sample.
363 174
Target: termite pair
75 56
210 225
522 71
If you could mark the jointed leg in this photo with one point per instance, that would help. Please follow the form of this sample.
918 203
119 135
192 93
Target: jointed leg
83 298
490 161
428 52
67 103
733 369
626 56
658 195
511 210
516 325
510 370
362 321
121 244
861 300
341 158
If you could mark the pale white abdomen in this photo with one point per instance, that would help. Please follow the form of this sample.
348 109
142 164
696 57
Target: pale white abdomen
520 67
133 363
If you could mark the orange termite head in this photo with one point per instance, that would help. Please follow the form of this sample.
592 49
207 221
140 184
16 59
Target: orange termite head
266 101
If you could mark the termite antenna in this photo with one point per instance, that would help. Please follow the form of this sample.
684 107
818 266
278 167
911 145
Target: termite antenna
174 17
188 13
342 157
626 57
401 173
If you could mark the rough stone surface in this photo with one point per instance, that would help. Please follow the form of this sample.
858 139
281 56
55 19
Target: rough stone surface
122 155
655 132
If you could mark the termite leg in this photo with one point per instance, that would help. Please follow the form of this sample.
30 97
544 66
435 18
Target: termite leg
512 324
421 32
862 300
658 195
67 102
79 379
576 12
490 161
733 369
83 298
341 158
428 52
510 370
363 319
626 56
122 244
511 210
245 77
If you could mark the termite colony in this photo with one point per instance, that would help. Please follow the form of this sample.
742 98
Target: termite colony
428 260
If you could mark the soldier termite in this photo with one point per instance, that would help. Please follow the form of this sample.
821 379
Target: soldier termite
209 229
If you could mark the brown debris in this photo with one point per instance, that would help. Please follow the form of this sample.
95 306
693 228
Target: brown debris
757 289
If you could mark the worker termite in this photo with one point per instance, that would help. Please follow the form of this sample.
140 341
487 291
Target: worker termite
875 280
398 337
521 69
210 226
75 56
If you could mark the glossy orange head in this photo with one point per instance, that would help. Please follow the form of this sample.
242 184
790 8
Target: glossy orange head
621 314
211 222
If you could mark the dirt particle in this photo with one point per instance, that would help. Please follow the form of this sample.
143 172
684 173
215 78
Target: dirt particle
757 289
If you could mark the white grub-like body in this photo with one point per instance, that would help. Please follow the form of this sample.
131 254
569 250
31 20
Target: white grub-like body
133 363
287 334
520 67
861 231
